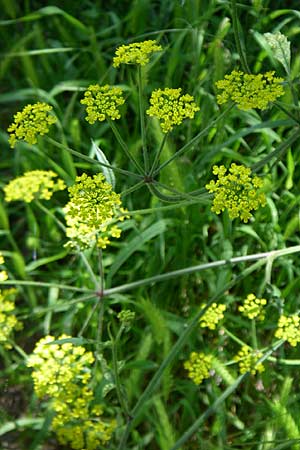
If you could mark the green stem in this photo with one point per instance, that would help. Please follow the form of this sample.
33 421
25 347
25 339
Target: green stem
121 397
197 268
237 37
234 337
133 188
48 285
288 113
123 145
91 160
142 119
194 141
155 381
253 334
87 319
158 153
50 214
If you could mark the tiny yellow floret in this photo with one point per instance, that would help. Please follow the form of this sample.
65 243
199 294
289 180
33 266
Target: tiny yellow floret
288 328
102 102
8 319
171 108
198 366
250 91
236 191
136 53
253 308
212 316
33 185
33 120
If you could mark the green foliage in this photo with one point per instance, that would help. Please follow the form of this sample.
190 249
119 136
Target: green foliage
183 333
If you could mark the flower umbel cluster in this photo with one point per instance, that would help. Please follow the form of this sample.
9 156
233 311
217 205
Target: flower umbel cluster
91 212
250 91
198 366
33 185
253 308
247 359
102 102
212 316
171 108
33 120
62 373
8 320
136 53
288 328
236 191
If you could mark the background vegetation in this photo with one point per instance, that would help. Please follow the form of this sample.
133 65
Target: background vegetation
52 53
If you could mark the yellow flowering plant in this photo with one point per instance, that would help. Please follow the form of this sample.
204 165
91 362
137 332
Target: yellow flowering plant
118 233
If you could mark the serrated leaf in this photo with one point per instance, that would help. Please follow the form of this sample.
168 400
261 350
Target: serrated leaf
281 48
107 172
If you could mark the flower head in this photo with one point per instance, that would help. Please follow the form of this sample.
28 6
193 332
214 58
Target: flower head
136 53
198 366
247 359
36 184
253 307
91 212
62 372
212 316
102 102
288 328
31 121
236 191
250 91
171 107
8 320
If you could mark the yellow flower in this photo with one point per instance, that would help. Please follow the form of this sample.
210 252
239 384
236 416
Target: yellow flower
102 102
62 372
250 91
288 328
253 307
91 211
212 316
198 366
8 320
136 53
171 107
33 120
36 184
247 359
236 191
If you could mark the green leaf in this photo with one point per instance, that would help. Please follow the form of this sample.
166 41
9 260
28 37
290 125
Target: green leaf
108 173
281 48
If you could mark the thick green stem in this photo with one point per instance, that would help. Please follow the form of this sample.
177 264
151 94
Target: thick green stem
157 156
142 119
123 145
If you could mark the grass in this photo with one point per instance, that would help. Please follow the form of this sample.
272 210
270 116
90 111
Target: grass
175 256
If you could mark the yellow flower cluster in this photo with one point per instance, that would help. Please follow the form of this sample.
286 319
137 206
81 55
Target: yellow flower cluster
171 108
198 366
212 316
247 359
91 212
236 191
8 320
136 53
288 328
62 373
33 120
3 273
102 102
253 307
35 184
250 91
126 317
